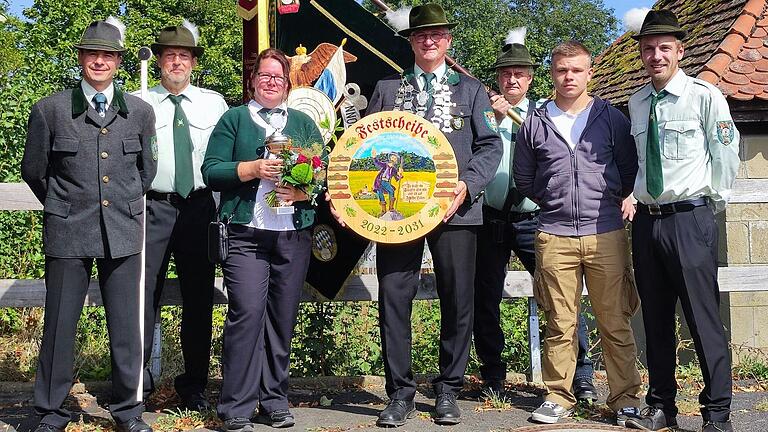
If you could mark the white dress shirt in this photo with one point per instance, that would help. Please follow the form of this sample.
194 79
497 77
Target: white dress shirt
90 92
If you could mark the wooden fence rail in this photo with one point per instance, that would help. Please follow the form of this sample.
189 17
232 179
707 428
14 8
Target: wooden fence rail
31 292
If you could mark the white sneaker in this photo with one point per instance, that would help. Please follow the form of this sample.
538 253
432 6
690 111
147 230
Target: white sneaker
550 412
625 414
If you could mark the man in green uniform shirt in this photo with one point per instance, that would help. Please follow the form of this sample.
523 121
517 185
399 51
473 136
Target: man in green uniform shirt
688 154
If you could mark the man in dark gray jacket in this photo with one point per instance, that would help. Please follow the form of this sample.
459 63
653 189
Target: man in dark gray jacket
575 158
459 105
89 159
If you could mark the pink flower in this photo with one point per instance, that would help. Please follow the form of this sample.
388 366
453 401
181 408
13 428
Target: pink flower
317 162
301 159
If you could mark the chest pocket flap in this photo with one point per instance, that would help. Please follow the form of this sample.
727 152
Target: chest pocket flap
640 135
131 145
65 145
680 137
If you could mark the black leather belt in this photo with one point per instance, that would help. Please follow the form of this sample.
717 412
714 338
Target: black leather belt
173 197
492 213
676 207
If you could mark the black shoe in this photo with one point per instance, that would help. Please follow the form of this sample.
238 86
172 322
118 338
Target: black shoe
195 402
279 418
712 426
583 390
135 424
45 427
238 424
396 413
653 419
446 410
490 387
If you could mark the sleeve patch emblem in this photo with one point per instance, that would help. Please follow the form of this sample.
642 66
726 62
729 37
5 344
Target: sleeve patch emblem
153 147
490 120
725 131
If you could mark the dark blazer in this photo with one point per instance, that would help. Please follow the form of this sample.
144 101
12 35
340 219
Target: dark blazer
90 173
477 144
238 138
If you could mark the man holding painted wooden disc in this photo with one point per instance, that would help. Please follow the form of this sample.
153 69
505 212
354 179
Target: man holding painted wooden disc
459 106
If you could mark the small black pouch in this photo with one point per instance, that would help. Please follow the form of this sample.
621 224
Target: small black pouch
218 242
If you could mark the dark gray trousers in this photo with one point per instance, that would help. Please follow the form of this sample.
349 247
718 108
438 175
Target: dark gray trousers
66 283
264 275
491 270
398 267
675 257
180 227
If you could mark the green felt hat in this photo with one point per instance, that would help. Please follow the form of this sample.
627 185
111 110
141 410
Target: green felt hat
660 22
176 37
426 16
514 55
101 36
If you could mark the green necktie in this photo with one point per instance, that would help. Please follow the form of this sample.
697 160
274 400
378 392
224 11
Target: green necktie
182 149
514 197
654 179
428 77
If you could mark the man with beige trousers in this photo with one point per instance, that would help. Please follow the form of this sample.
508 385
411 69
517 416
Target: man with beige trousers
576 159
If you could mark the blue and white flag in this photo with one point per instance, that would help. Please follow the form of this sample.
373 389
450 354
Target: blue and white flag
334 77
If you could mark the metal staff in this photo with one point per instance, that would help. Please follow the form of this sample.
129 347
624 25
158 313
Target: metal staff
458 68
144 55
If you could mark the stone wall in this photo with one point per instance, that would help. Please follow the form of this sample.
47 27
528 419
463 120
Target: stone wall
744 241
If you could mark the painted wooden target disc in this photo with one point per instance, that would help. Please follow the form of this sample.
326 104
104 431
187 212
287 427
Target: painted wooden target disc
391 176
317 106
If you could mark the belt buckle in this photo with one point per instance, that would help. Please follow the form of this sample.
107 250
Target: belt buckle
654 209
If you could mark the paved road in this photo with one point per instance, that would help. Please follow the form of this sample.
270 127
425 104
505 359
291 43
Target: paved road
320 406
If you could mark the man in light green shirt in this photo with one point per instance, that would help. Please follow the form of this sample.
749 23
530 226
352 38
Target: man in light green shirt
180 207
688 156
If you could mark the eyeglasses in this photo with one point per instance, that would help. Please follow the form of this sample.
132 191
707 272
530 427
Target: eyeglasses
265 78
434 36
506 76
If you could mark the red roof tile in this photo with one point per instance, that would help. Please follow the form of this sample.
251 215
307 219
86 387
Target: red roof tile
727 45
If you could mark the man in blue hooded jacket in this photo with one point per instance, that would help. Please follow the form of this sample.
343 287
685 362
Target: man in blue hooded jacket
575 158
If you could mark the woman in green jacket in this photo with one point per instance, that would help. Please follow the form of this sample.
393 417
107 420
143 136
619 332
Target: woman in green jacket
268 252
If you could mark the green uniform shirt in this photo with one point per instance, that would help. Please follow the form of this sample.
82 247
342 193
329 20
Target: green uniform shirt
698 141
496 191
203 109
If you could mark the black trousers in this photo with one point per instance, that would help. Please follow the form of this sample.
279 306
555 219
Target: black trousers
180 227
66 284
398 268
675 257
264 275
491 270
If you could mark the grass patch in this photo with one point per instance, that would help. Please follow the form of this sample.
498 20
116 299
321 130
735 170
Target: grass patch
184 419
762 405
493 401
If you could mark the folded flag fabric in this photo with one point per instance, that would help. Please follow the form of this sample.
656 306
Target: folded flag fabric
334 77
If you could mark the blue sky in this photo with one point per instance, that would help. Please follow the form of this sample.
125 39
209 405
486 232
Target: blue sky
619 6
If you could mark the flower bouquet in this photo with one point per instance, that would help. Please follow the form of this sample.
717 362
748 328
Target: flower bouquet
304 169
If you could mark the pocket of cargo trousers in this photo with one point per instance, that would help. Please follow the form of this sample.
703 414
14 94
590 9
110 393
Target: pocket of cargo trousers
631 303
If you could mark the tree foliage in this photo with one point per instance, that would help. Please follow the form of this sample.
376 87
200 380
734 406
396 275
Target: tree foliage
483 25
